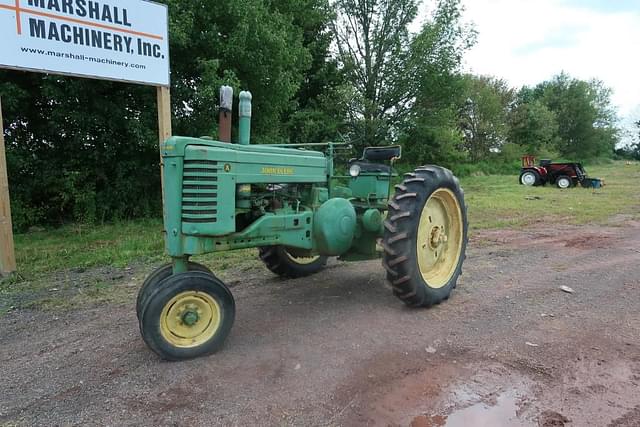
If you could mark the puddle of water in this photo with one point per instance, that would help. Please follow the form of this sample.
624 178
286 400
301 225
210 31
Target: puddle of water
500 413
503 413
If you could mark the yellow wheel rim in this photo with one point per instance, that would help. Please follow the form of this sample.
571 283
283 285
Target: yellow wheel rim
304 260
439 239
190 319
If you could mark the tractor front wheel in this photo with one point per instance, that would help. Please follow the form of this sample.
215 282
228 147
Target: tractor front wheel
157 276
283 263
188 315
425 237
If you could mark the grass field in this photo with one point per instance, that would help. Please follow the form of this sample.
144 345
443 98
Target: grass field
499 202
59 259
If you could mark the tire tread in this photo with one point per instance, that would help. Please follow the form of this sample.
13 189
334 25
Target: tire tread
400 229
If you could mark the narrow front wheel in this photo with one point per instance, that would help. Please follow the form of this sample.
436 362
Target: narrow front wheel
157 276
187 316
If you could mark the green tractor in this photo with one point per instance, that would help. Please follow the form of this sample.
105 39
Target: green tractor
287 201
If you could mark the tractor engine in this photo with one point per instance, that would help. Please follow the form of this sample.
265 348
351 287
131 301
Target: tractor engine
223 196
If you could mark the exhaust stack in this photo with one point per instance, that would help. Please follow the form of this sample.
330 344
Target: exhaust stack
226 108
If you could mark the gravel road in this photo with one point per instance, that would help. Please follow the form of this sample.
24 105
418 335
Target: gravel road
509 348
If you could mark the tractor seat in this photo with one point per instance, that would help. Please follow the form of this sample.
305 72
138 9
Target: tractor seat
377 154
367 167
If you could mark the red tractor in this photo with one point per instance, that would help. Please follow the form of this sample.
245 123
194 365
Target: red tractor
563 175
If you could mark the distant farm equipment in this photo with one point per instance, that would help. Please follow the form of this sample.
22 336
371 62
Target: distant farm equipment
563 175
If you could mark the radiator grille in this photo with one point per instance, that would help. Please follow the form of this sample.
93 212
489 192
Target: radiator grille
200 192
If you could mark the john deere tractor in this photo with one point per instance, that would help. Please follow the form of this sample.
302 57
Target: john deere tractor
289 203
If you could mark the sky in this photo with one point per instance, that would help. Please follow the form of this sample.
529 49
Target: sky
528 41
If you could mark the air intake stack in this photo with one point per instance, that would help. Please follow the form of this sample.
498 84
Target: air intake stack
245 118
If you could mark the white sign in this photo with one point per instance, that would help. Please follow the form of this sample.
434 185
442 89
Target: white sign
125 40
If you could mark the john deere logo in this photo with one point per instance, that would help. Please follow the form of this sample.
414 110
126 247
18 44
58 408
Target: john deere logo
277 171
227 167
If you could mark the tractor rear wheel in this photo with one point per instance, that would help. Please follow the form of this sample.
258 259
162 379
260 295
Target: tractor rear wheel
283 263
530 178
157 276
187 316
564 182
425 236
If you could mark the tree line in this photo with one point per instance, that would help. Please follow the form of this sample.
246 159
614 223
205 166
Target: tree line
631 151
320 70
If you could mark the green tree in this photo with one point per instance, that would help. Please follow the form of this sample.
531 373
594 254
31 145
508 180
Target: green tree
483 115
430 131
79 149
389 66
531 124
431 134
373 46
318 111
634 149
249 44
586 119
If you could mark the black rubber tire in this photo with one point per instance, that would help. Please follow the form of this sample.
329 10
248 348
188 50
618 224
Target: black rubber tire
535 173
400 236
561 177
278 261
158 275
169 288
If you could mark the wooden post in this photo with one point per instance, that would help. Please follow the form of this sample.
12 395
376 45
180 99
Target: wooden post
164 124
7 251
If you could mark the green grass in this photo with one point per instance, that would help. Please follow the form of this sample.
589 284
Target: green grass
499 202
96 264
85 246
79 265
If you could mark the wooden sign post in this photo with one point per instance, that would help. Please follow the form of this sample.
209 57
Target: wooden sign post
7 251
164 125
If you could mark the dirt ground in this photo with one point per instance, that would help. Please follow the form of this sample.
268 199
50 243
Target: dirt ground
508 349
